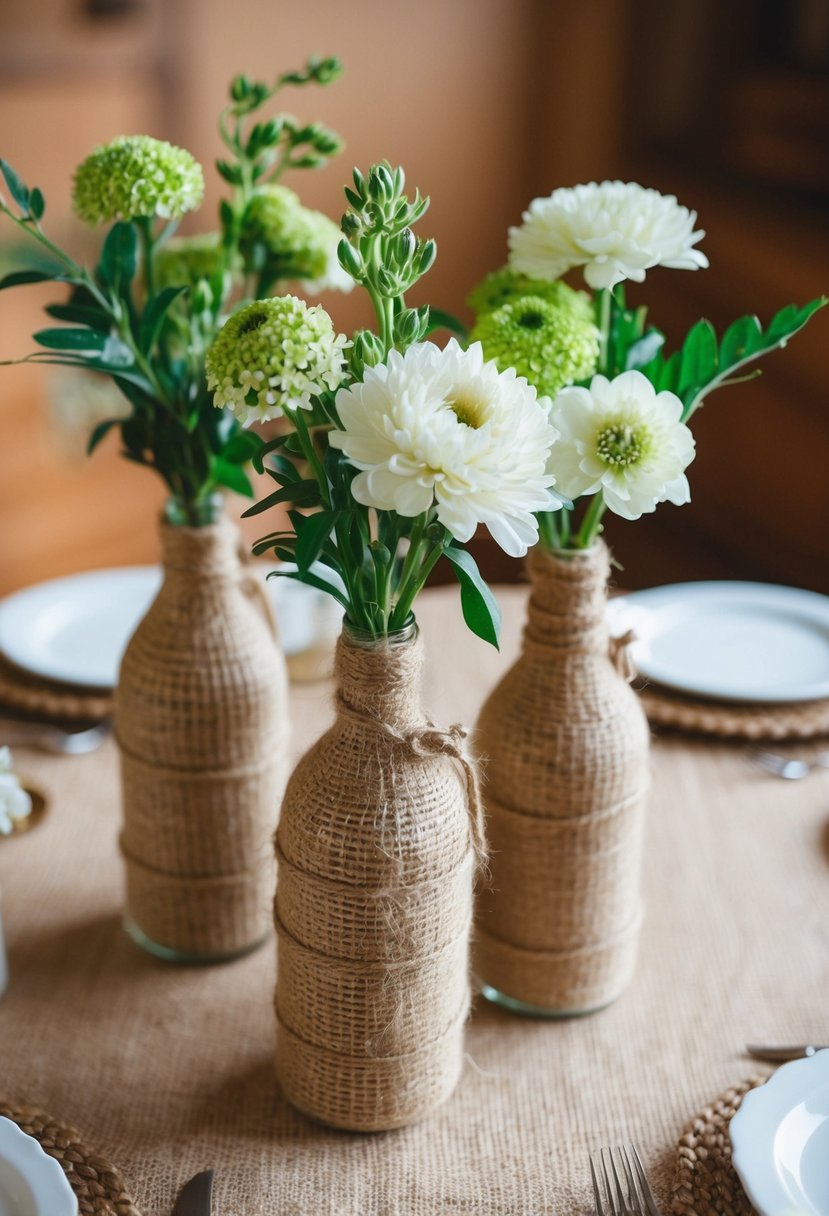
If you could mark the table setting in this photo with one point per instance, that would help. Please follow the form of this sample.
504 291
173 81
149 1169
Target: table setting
326 888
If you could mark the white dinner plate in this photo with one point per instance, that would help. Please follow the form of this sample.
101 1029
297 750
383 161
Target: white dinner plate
76 629
729 640
31 1182
780 1140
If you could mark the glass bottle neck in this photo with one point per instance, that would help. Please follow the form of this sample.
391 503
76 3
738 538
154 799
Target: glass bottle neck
179 513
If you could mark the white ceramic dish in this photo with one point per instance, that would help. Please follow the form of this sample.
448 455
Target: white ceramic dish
31 1183
75 629
730 641
780 1140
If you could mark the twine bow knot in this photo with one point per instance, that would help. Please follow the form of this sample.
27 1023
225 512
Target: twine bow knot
432 740
620 656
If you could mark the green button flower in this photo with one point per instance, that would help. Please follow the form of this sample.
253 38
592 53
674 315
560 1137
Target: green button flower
301 243
549 345
506 285
274 354
136 176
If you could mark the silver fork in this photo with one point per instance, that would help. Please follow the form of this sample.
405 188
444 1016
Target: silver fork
790 768
620 1184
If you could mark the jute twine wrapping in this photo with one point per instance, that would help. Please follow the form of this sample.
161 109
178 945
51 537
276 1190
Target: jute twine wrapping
376 847
565 743
202 728
706 1183
98 1186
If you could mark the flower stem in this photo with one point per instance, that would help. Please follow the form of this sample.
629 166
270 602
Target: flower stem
145 234
604 319
590 524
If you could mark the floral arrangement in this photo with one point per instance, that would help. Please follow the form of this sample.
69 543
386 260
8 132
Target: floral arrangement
15 801
394 449
619 404
148 311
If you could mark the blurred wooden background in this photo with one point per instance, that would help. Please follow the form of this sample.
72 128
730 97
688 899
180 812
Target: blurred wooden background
486 104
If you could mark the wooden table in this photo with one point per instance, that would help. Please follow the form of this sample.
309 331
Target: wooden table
169 1070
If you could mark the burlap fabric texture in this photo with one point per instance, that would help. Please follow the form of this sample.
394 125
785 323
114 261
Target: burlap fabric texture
202 729
706 1183
97 1184
565 747
377 844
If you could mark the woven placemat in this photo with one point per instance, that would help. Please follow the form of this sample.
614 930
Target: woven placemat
705 1182
22 692
806 720
98 1185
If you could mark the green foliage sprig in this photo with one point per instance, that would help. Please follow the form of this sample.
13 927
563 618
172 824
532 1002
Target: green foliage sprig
374 562
150 339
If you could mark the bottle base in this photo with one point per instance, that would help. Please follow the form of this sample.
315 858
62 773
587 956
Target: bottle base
522 1009
186 958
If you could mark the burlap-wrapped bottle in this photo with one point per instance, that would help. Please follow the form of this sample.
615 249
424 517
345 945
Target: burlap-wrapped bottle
202 730
566 746
376 848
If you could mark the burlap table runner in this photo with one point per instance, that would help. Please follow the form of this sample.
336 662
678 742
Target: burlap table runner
170 1071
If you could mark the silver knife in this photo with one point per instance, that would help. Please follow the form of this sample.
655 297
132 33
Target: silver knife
196 1196
777 1055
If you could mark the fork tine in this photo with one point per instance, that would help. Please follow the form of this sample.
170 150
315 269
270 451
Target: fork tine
617 1199
597 1197
643 1184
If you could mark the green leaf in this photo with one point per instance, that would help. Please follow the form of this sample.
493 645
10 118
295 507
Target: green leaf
37 203
100 432
80 314
699 356
119 256
271 445
743 337
224 473
311 536
301 493
19 191
438 319
480 608
311 580
153 318
281 469
242 447
18 278
71 339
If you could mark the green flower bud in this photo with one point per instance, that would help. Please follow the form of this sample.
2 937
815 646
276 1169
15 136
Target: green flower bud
409 327
240 87
350 260
366 351
404 246
426 256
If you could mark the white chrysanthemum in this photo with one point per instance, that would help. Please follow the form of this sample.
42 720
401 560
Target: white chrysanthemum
615 230
15 802
444 428
622 437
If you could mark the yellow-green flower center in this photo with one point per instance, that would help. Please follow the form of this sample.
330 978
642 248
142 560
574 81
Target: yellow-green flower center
468 409
620 444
